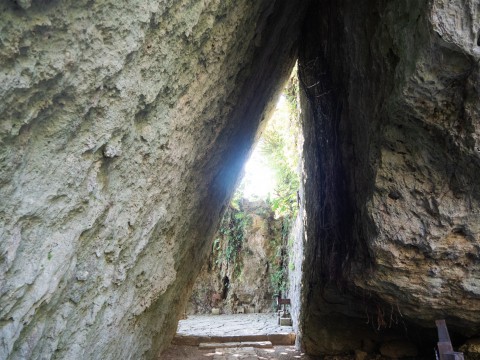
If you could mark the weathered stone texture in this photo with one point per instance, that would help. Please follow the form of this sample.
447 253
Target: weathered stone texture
123 127
426 203
391 104
246 278
296 256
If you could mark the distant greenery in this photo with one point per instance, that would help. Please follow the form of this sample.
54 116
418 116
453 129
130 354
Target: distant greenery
279 275
292 95
279 145
278 278
232 228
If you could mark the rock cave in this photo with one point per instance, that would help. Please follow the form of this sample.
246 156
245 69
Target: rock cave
124 128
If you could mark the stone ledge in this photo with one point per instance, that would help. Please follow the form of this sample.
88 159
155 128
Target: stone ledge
275 339
252 344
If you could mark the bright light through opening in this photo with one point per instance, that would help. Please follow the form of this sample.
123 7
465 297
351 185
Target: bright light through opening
259 179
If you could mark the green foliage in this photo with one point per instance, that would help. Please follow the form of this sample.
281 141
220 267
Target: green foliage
291 265
278 279
232 229
237 199
282 260
290 249
291 93
279 145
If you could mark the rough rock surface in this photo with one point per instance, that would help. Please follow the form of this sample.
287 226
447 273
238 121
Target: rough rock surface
247 281
471 349
123 127
398 349
295 270
392 158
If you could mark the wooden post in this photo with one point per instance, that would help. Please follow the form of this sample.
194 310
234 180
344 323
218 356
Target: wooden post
444 345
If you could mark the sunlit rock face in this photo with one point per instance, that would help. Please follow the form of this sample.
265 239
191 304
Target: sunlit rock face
123 127
392 157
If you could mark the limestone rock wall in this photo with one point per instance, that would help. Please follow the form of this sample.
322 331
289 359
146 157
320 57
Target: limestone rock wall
123 127
391 125
295 273
249 278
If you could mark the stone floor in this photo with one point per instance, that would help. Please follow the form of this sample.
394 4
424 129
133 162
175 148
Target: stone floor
198 329
239 327
225 325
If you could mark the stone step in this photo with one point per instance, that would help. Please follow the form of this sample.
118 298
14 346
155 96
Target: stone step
237 344
275 339
235 354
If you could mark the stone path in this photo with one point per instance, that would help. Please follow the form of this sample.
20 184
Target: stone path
229 328
244 328
245 353
238 324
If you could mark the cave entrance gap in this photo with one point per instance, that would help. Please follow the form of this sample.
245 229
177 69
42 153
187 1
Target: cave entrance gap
253 260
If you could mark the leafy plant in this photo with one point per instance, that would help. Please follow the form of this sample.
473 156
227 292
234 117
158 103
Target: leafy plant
279 145
278 279
232 229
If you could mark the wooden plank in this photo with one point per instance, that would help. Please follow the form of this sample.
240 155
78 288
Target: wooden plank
444 345
454 356
444 348
442 330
